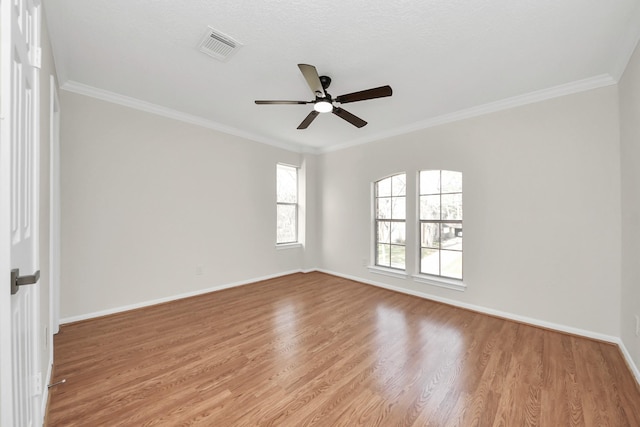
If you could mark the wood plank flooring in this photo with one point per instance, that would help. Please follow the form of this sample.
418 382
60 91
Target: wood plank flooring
314 349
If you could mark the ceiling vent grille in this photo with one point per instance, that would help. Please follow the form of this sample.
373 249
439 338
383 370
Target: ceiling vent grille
218 45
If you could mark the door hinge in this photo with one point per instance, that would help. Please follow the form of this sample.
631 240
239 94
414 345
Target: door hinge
17 280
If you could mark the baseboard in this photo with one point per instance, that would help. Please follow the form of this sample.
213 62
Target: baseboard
630 363
480 309
485 310
506 315
101 313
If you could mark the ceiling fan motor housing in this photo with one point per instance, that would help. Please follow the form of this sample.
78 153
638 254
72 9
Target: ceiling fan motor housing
325 81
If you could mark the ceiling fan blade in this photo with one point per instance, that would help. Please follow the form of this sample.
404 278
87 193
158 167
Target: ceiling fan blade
307 120
344 114
378 92
283 102
313 79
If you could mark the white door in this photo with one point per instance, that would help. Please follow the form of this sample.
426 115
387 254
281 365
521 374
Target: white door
19 151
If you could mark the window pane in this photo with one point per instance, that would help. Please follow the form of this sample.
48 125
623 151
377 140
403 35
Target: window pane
452 206
390 204
384 232
451 235
430 261
398 233
451 182
383 256
430 207
399 208
383 188
441 242
429 182
397 256
287 184
383 208
399 185
430 235
286 231
451 264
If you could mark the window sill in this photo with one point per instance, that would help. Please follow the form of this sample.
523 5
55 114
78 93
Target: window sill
399 274
456 285
283 246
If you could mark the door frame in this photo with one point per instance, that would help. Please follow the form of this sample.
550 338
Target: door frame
7 415
54 212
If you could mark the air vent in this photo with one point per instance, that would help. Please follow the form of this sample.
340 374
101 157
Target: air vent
218 45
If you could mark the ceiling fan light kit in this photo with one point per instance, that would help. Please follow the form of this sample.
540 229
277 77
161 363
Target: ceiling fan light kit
323 102
323 106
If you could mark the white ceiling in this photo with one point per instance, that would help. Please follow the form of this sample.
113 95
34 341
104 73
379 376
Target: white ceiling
444 59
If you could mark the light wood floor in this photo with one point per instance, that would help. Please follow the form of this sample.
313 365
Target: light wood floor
313 349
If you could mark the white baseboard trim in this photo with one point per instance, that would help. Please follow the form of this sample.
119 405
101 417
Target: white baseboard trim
506 315
485 310
480 309
100 313
630 363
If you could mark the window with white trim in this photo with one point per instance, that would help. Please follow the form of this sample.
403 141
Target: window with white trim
287 204
440 221
390 215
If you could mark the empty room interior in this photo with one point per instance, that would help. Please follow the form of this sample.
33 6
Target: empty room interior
365 213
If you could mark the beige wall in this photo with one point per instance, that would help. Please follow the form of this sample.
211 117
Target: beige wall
552 207
146 200
541 208
629 89
308 211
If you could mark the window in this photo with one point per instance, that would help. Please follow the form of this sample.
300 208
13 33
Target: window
287 204
390 209
441 223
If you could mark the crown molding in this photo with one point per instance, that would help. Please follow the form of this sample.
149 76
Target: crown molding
627 44
505 104
104 95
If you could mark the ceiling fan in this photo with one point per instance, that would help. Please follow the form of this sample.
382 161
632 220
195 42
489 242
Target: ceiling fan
324 103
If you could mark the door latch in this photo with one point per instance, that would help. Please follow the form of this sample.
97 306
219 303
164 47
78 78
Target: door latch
17 280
